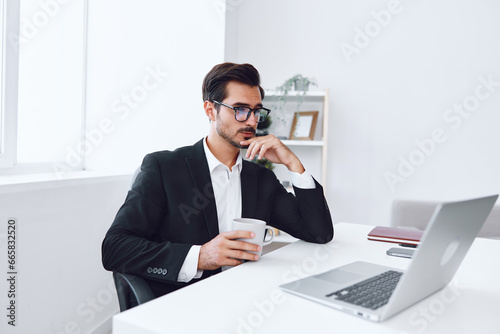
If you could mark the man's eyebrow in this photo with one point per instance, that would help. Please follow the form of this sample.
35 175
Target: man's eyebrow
242 104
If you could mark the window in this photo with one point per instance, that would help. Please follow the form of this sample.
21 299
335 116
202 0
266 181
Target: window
2 38
9 13
51 83
46 120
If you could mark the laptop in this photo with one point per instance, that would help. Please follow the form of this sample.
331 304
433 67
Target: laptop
376 292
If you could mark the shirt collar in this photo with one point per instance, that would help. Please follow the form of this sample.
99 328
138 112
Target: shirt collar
213 162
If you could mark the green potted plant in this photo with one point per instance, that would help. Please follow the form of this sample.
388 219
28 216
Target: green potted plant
262 130
301 83
264 162
262 127
298 83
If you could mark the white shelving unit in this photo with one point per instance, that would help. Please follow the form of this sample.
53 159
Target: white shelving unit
304 142
320 142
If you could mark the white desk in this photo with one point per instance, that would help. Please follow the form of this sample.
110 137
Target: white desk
246 299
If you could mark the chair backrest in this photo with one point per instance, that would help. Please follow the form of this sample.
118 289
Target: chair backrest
134 176
417 214
131 290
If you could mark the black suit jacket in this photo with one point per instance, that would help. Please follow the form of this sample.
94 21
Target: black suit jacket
171 207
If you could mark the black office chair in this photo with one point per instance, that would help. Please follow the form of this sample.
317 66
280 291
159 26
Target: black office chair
132 290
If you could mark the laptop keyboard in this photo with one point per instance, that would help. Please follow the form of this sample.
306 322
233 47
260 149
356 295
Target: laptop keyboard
371 293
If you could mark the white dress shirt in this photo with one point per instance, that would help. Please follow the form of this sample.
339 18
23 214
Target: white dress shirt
226 184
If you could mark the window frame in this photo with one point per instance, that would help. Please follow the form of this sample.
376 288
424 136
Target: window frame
10 11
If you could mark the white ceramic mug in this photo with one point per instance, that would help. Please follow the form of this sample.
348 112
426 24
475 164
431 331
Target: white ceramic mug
258 227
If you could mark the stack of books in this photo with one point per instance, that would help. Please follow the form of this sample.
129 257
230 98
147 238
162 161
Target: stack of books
395 235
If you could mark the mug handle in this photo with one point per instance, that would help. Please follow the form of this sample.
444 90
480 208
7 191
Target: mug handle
270 229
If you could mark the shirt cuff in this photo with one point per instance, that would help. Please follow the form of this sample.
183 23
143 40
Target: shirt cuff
303 181
189 269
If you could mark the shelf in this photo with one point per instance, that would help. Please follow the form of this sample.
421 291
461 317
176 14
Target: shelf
303 142
312 101
318 93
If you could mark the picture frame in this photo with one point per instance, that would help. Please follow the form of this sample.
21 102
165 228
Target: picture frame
304 125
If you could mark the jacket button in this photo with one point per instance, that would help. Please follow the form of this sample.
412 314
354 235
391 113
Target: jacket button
155 270
150 270
164 272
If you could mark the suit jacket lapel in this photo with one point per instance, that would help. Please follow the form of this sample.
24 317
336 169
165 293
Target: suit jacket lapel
198 167
249 191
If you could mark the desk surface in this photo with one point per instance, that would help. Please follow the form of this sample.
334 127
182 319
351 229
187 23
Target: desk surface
246 299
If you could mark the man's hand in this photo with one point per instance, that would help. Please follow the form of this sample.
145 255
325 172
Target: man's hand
223 250
274 150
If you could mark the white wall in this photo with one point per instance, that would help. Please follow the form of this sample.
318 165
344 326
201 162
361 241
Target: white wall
180 40
395 88
61 286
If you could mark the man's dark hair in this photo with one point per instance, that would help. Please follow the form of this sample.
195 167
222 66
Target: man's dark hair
215 82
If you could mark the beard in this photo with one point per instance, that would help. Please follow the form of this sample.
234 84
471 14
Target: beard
223 131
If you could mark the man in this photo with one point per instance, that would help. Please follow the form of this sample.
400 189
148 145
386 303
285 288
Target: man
175 225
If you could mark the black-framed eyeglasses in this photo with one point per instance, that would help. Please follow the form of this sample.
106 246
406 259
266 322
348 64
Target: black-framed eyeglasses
241 114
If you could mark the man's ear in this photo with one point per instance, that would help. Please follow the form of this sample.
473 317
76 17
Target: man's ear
209 110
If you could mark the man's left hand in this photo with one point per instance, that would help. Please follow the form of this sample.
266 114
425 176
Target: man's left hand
274 150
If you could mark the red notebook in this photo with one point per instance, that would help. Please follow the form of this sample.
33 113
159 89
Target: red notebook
396 235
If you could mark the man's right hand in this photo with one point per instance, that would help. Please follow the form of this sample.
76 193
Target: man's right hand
223 250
